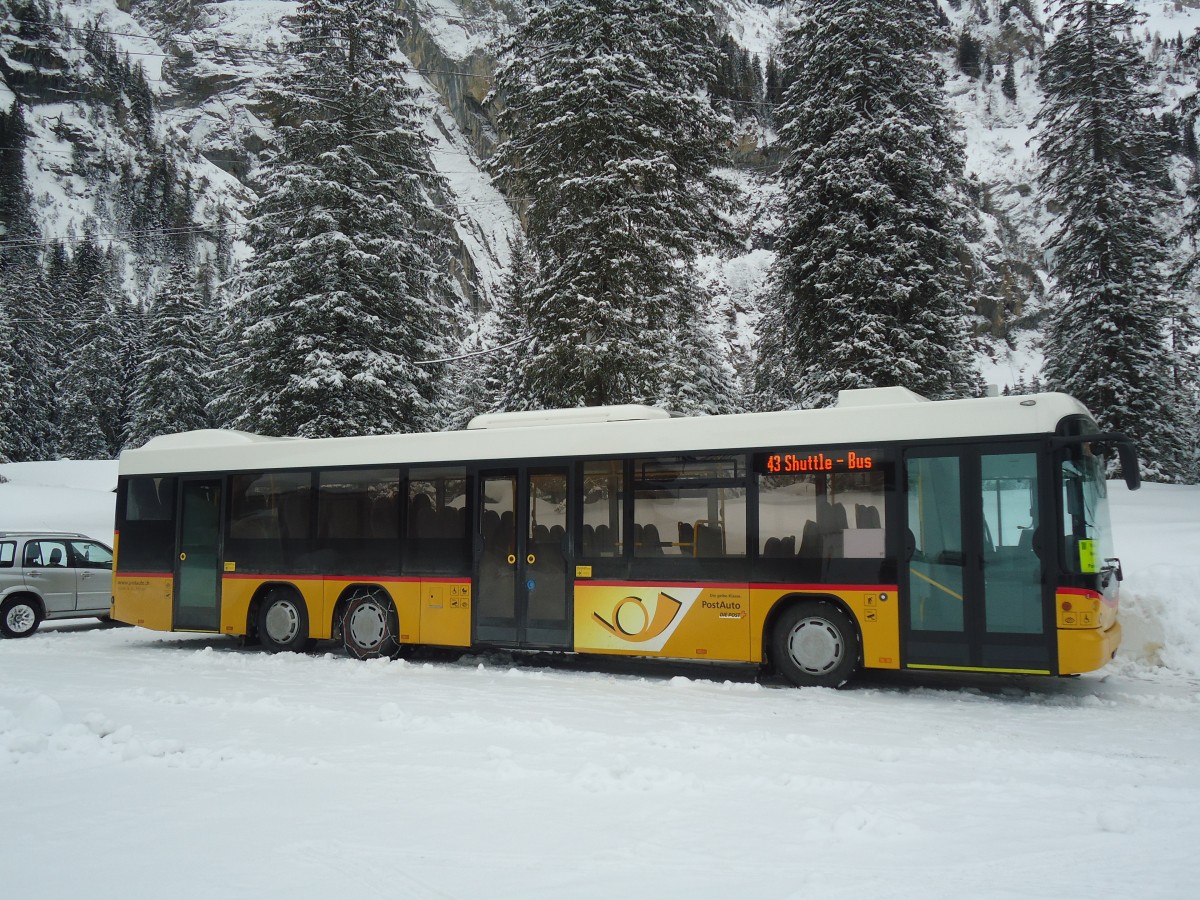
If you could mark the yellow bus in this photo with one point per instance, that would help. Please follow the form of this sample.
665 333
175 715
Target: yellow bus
887 532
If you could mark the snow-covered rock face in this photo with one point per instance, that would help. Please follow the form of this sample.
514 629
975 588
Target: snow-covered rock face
88 157
204 63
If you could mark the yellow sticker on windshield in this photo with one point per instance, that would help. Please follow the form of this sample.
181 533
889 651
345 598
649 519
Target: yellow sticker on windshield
1087 557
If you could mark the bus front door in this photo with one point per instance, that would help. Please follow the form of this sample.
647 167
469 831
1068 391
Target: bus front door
522 583
198 557
974 595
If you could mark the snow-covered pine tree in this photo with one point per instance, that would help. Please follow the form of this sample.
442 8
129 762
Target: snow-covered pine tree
171 393
1183 341
699 378
871 254
509 338
612 144
348 286
1008 84
91 387
29 432
1104 167
8 409
131 321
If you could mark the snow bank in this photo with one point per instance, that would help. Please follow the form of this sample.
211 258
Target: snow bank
1157 536
66 495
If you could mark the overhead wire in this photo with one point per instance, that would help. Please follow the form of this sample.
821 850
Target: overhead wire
29 243
217 44
287 52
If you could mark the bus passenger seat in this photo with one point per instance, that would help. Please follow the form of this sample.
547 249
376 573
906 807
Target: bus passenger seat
840 521
651 543
810 541
687 538
1025 541
708 540
419 510
385 518
604 543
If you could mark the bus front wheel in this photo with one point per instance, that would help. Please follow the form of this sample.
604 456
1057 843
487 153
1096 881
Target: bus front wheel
283 622
370 625
815 645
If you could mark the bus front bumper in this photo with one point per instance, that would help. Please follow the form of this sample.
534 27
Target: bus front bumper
1086 649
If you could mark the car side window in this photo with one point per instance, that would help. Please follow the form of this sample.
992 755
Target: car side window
46 554
90 555
8 553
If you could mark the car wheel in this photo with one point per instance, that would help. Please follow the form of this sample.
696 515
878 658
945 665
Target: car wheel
815 645
283 622
370 625
19 617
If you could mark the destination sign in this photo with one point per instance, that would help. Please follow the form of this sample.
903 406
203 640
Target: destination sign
797 462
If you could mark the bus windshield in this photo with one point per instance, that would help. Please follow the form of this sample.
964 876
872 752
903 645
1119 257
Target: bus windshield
1086 530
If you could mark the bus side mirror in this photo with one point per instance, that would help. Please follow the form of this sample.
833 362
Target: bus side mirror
1127 454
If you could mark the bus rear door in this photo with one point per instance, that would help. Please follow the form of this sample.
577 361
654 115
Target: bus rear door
198 556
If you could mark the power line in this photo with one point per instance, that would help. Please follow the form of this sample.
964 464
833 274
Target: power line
473 353
182 231
219 45
280 51
232 159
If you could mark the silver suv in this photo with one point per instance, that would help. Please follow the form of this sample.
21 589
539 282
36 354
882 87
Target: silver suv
51 575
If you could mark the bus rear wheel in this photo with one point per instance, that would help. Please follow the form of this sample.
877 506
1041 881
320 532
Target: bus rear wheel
283 622
370 625
815 645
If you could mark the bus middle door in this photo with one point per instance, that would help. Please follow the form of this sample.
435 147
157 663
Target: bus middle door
522 579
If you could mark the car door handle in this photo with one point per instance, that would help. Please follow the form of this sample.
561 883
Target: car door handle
85 574
33 573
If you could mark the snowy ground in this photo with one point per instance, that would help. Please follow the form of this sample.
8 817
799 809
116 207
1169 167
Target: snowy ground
136 764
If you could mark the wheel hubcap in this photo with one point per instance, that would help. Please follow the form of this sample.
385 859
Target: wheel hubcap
20 618
368 625
815 645
283 621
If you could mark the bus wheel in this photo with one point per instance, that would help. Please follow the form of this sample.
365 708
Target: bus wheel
19 617
815 645
370 625
283 622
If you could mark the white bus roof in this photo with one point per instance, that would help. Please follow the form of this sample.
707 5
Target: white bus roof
865 417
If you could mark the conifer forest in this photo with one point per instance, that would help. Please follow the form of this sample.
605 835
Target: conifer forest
344 217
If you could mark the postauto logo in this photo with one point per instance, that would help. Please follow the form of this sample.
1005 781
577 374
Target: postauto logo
631 621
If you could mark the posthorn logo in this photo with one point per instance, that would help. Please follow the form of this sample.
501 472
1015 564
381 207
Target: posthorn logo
631 621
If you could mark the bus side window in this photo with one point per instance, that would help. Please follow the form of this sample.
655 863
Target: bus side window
822 516
603 508
438 521
146 519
